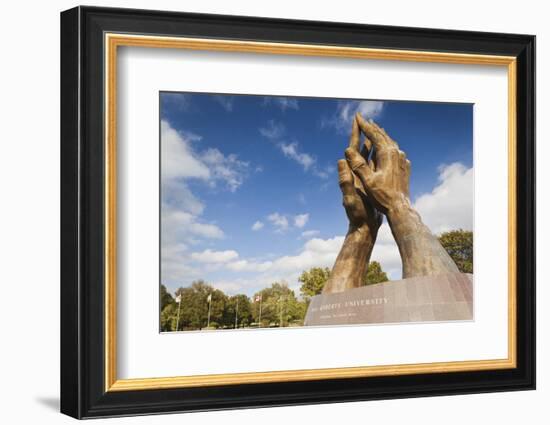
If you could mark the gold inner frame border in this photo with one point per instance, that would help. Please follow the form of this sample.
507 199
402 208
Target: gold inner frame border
113 41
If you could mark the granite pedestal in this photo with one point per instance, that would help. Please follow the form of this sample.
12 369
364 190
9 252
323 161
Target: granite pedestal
420 299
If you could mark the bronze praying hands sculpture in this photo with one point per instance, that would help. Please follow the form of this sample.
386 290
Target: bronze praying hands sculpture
374 179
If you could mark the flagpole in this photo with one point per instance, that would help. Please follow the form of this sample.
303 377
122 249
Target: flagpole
260 316
281 312
236 313
179 307
209 305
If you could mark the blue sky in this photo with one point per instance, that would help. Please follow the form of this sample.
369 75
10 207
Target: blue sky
250 190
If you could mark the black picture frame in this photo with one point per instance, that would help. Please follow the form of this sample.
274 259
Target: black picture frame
83 392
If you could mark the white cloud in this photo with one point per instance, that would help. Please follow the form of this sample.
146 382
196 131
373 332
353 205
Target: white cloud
249 266
177 194
180 160
228 169
324 173
209 256
291 151
346 110
225 101
177 224
449 206
278 220
177 267
177 156
370 109
273 130
315 253
310 233
230 287
286 103
181 209
301 220
180 101
174 267
281 221
257 225
237 265
180 229
283 103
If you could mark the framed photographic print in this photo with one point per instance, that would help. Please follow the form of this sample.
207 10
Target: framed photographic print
261 212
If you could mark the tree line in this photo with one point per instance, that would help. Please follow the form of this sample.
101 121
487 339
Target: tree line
201 306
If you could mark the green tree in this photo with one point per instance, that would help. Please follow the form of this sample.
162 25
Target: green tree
296 312
168 317
375 274
237 307
279 306
195 306
165 297
313 281
191 309
168 310
459 245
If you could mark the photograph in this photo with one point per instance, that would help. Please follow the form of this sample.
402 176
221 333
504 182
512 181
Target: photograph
289 209
282 212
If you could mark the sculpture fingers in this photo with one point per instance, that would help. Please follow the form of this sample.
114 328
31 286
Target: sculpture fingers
366 149
402 155
388 140
354 141
402 160
407 176
386 159
372 166
371 132
346 179
355 209
359 166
